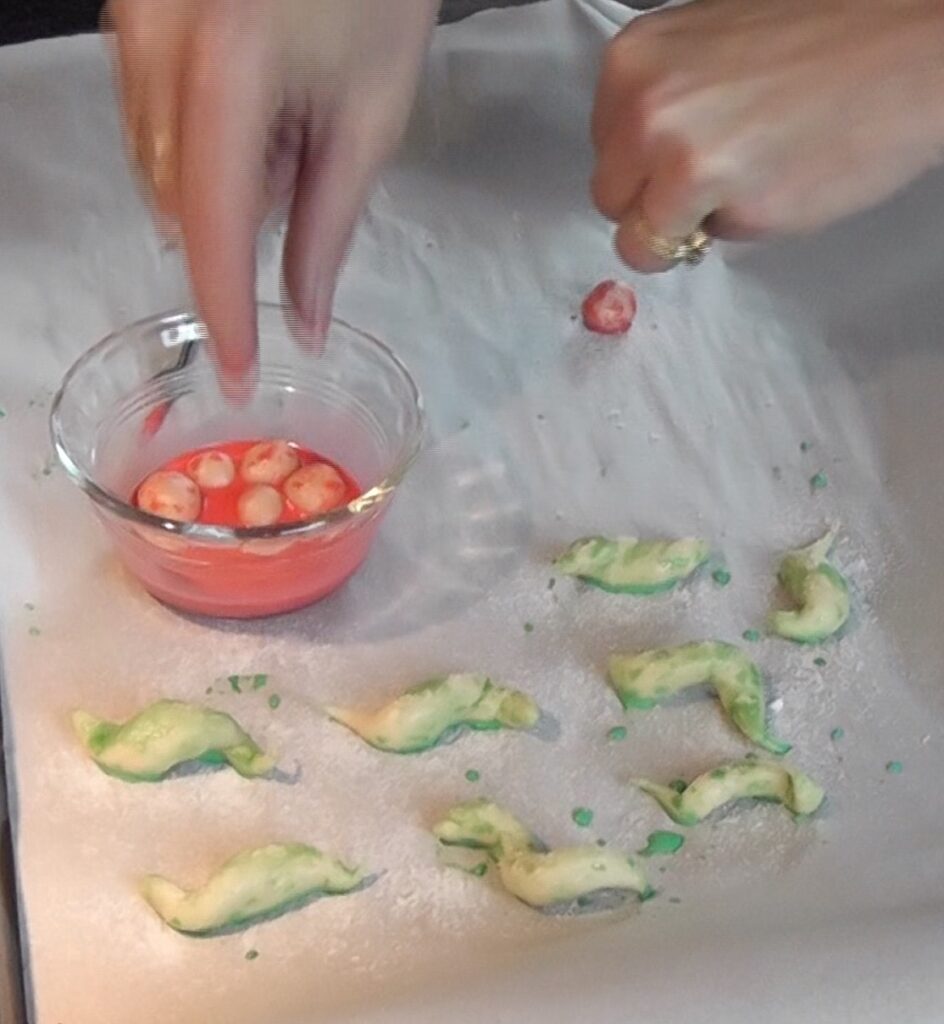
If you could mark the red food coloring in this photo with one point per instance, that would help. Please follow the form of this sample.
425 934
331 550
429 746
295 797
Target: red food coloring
155 419
610 308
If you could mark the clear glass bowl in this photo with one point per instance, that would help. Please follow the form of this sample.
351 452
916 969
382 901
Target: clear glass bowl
149 393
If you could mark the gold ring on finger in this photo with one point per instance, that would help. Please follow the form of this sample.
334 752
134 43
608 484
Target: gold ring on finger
690 249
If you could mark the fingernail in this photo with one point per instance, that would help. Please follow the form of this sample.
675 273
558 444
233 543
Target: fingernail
320 329
320 319
238 388
237 378
307 335
304 319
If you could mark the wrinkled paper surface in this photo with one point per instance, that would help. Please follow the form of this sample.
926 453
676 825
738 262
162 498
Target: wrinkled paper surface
477 248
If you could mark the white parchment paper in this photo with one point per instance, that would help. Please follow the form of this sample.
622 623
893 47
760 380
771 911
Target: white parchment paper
475 253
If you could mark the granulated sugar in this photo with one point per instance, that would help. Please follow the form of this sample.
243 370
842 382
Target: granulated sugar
697 418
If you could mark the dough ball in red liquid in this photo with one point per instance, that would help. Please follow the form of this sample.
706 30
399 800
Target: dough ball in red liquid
170 495
269 462
316 488
212 470
259 506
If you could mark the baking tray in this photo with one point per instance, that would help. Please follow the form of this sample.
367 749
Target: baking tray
471 262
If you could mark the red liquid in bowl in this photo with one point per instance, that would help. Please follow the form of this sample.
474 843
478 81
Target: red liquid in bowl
255 577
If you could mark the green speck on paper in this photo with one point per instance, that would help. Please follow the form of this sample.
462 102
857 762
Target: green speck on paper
274 701
819 481
679 785
252 954
472 775
479 869
751 635
837 733
661 843
617 733
722 577
601 842
551 583
234 682
3 413
819 662
464 425
894 767
718 773
529 627
583 817
805 446
34 631
260 680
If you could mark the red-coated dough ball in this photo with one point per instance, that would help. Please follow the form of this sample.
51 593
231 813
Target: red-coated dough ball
170 495
269 462
212 470
259 506
315 488
610 308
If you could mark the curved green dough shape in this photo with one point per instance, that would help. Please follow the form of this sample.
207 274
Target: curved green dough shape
482 825
256 884
757 780
420 718
165 735
628 565
820 592
642 680
537 877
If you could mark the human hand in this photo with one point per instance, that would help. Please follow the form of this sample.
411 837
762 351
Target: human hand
236 107
762 117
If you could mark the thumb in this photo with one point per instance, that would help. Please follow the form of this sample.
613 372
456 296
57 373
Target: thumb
332 188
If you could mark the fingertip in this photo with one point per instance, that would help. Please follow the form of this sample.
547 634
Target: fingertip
233 341
237 380
632 248
309 336
610 201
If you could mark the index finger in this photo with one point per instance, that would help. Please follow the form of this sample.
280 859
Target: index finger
227 111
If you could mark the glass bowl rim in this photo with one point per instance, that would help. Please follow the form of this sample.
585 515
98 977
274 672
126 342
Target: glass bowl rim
213 534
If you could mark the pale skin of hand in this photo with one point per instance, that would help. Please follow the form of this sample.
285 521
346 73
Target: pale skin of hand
765 117
234 108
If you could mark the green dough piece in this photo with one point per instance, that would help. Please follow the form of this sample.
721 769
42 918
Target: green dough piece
739 780
642 680
628 565
568 874
254 885
167 734
482 825
425 714
537 877
821 593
